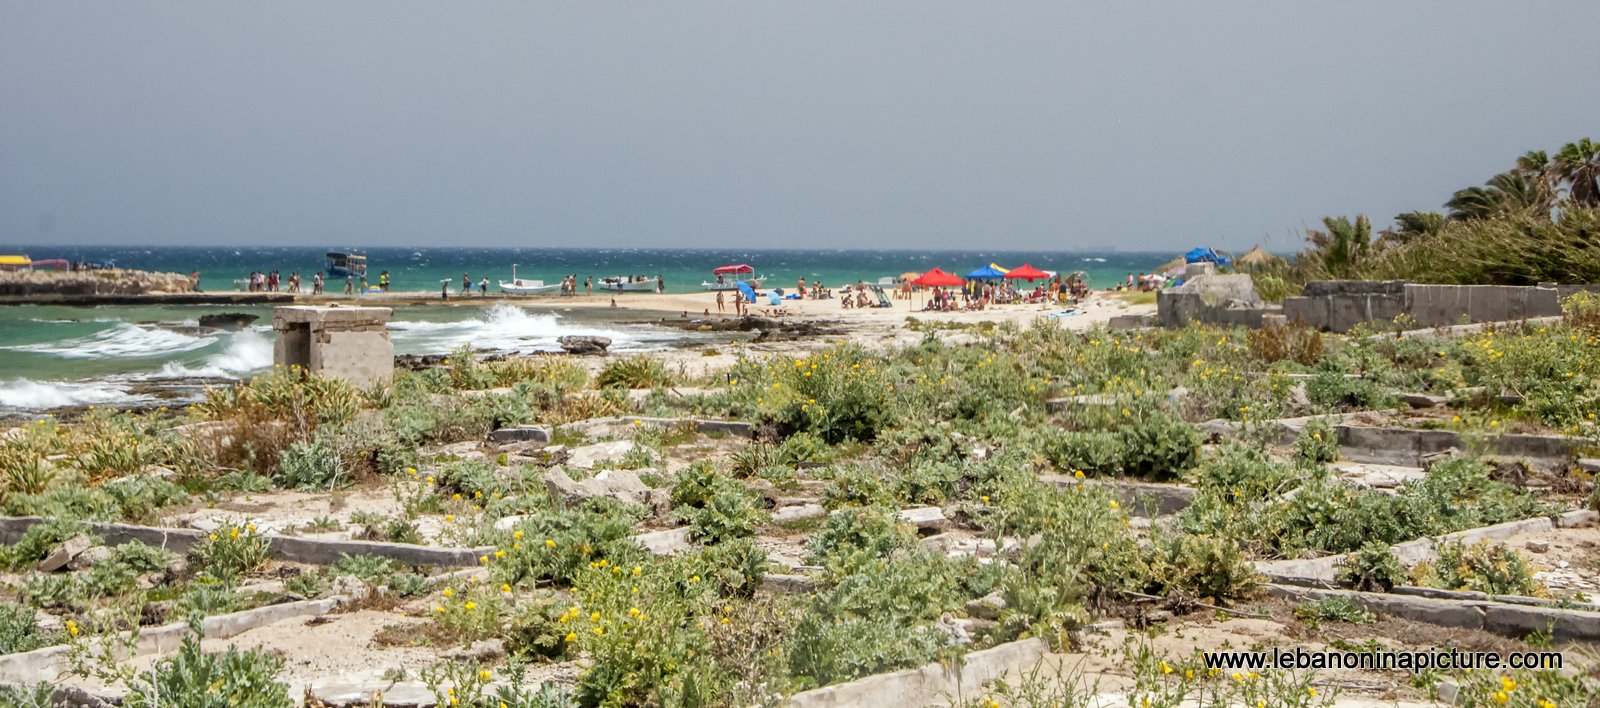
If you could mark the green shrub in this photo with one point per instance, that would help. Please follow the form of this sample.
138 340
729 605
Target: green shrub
1334 608
1201 568
1318 443
1330 388
311 464
868 621
234 549
1372 568
1159 447
19 631
556 545
853 537
1483 567
733 511
635 372
1096 453
195 679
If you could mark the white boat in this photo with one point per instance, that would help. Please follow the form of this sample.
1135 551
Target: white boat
627 284
518 286
729 277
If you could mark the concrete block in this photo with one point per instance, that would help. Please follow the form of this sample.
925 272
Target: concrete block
522 433
350 343
781 584
930 685
925 518
789 514
408 694
664 543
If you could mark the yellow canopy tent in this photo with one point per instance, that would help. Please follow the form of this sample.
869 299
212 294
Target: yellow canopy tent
15 262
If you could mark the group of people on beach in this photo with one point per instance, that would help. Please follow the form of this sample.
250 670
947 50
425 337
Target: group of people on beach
977 296
569 285
271 282
1146 282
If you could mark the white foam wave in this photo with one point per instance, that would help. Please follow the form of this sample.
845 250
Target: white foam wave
25 394
123 341
502 327
247 351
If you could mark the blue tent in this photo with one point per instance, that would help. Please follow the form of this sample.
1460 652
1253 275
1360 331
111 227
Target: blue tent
988 272
1201 254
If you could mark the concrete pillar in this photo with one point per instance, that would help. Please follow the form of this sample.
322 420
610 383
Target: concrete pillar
350 343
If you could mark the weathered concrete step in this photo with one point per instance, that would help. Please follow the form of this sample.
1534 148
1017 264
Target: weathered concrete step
1370 474
1502 618
288 548
736 428
1316 571
930 685
1138 498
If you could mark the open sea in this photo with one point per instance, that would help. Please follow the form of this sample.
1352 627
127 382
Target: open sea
57 356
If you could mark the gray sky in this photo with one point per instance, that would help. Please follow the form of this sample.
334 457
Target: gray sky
923 124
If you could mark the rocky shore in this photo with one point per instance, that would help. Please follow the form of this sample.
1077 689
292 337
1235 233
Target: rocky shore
92 282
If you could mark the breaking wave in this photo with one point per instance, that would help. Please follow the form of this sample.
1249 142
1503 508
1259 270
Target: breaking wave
25 394
123 341
247 351
508 327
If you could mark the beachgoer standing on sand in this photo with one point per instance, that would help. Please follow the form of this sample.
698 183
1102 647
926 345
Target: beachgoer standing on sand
588 284
801 287
483 287
466 285
383 281
195 276
719 302
444 289
661 284
316 284
349 285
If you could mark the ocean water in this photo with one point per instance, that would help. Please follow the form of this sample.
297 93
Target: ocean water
57 356
422 269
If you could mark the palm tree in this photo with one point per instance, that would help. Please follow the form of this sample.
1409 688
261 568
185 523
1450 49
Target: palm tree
1412 225
1505 193
1578 164
1344 245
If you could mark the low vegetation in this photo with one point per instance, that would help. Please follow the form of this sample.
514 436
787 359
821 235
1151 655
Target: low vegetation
1050 544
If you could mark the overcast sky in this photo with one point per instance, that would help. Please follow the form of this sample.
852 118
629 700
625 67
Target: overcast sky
922 124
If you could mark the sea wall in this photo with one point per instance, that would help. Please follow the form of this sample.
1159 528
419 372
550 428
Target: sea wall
114 281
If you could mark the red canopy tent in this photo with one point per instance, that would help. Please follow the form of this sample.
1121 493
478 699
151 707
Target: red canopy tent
733 268
937 279
1027 272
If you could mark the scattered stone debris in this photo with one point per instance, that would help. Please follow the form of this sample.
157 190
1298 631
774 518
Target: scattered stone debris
622 485
63 554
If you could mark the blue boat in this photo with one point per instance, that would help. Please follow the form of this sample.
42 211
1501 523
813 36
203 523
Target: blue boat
342 264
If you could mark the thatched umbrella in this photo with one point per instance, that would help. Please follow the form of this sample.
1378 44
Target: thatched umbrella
1258 256
1169 266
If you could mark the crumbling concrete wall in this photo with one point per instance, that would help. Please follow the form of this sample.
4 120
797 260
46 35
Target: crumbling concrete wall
350 343
1340 305
1212 299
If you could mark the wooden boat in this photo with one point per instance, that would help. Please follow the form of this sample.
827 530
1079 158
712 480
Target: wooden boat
518 286
627 284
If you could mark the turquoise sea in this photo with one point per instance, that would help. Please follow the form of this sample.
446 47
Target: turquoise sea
55 356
